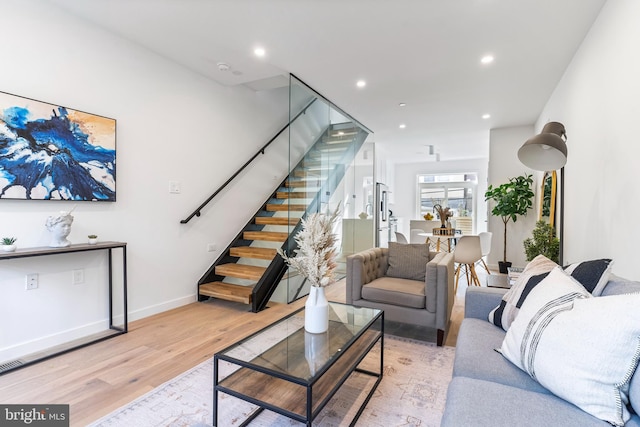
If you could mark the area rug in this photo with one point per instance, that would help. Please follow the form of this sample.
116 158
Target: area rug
411 393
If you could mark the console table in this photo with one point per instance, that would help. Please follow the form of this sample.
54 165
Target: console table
113 330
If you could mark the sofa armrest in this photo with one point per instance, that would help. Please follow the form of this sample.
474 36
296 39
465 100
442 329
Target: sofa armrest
431 280
362 268
479 301
439 288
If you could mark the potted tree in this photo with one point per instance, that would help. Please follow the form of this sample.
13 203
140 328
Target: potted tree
511 199
543 242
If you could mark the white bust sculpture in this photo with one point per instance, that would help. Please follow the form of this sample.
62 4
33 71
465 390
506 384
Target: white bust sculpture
60 227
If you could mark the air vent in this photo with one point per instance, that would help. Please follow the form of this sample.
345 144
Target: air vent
11 365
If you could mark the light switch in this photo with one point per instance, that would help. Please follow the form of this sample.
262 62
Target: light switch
175 187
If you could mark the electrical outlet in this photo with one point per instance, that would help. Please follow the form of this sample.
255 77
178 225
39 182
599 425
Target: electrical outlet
77 277
31 281
175 187
211 247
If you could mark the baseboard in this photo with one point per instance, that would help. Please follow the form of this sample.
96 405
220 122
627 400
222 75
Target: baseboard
160 308
47 342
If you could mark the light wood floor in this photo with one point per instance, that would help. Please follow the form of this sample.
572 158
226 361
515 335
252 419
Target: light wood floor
100 378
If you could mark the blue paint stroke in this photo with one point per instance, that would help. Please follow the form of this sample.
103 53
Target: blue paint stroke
53 156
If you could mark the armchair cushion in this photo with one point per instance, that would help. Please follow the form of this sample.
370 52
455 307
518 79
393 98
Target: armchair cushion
408 261
391 290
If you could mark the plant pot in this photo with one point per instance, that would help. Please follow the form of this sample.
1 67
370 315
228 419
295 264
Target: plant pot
9 248
503 265
93 241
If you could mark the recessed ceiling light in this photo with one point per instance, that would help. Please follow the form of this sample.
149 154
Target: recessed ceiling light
402 104
487 59
486 116
259 52
361 83
402 126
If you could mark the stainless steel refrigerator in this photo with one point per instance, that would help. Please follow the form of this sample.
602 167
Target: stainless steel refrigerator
382 215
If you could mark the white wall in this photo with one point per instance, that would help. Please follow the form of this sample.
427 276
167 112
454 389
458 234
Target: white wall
404 188
504 164
172 125
598 101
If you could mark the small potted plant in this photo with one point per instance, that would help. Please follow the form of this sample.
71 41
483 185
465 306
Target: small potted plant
543 242
8 244
93 239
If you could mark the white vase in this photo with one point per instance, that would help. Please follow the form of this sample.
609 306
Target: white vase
316 311
93 241
9 248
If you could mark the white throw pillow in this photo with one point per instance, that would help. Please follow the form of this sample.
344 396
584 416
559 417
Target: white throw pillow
503 315
582 348
593 275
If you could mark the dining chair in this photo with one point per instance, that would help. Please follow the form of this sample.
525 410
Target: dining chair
466 254
415 236
400 238
485 247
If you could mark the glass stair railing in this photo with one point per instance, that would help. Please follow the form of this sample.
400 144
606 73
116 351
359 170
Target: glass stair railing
250 270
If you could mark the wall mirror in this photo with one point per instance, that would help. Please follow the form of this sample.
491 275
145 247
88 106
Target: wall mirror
548 198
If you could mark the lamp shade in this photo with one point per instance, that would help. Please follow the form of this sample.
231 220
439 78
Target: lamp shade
546 151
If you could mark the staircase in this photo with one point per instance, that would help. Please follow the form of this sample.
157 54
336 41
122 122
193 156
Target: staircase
249 270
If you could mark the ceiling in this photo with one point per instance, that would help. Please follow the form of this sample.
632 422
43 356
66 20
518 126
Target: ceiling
425 53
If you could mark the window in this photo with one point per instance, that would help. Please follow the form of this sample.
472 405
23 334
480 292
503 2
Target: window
457 191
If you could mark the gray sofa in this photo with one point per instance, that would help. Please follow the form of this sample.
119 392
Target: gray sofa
488 390
425 302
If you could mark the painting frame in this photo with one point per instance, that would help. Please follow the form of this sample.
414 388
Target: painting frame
548 195
52 152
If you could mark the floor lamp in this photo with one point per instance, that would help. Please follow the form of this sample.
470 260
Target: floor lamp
547 151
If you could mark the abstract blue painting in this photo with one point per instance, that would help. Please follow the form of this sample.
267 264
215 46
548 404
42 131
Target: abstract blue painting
49 152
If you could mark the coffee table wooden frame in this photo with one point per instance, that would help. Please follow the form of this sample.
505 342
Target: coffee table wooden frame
255 382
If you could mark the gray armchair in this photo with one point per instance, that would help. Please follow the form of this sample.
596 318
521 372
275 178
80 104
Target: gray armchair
404 294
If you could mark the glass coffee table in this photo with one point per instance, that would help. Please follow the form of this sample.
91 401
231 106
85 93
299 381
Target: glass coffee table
294 373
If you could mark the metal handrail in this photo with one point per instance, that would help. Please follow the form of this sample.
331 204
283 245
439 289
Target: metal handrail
239 171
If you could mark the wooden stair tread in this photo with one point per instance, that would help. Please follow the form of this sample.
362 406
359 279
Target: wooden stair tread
343 132
286 207
295 195
276 220
241 271
324 147
252 252
313 163
227 291
326 155
302 183
320 167
298 173
270 236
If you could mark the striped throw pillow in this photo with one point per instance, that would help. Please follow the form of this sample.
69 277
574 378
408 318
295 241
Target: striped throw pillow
593 275
506 312
583 349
